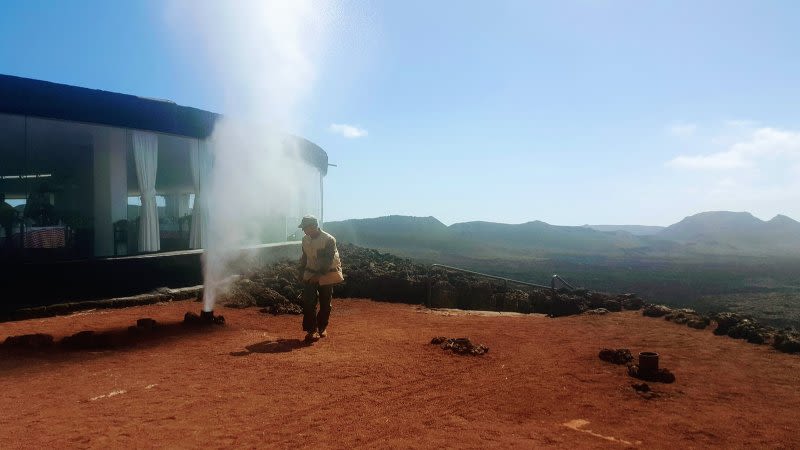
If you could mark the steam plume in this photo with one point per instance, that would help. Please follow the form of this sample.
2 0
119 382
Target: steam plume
264 57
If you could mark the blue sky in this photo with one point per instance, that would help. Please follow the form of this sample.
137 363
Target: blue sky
572 112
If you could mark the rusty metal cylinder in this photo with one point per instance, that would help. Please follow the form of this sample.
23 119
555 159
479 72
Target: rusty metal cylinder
648 361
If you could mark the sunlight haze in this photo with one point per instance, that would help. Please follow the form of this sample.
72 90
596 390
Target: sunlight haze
580 112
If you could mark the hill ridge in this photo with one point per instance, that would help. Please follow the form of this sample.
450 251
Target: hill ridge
708 232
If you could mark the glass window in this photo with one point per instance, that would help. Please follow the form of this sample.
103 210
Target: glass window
13 187
134 205
175 188
59 212
46 181
174 193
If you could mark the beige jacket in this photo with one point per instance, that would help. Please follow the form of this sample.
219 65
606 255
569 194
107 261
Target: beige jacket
321 257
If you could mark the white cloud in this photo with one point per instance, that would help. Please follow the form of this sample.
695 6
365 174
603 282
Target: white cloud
770 142
748 167
760 146
714 161
682 129
348 131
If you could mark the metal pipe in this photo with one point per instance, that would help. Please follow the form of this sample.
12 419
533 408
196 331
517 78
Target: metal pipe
525 283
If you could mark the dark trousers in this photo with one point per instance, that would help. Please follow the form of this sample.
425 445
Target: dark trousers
311 319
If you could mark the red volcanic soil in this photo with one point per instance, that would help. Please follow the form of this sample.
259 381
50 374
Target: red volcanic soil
376 381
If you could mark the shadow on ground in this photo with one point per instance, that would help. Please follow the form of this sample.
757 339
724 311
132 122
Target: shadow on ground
41 346
278 346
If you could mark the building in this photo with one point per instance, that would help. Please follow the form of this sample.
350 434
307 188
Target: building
91 173
92 177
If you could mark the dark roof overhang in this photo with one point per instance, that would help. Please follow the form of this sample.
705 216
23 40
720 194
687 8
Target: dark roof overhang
28 97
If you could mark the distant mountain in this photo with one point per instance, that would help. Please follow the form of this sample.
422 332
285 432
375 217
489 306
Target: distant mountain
781 224
419 236
429 227
712 223
708 233
428 237
735 232
542 237
636 230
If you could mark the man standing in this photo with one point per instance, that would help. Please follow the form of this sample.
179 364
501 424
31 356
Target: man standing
320 268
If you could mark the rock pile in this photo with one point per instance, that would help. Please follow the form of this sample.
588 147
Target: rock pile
464 291
86 340
656 310
207 318
145 328
732 325
787 341
616 356
579 301
689 317
740 327
91 340
143 325
29 341
461 346
681 316
368 274
381 276
644 391
385 277
246 292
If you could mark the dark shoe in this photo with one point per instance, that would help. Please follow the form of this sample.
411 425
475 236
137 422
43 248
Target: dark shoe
323 333
311 337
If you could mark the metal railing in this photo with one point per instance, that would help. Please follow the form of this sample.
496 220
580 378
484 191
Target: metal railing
507 280
563 281
495 277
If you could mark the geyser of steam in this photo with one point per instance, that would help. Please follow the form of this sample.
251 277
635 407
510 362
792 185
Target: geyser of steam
253 189
263 55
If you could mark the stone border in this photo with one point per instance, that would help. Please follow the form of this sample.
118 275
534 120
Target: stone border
730 324
61 309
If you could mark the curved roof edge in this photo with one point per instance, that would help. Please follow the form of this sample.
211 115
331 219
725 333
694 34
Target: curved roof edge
29 97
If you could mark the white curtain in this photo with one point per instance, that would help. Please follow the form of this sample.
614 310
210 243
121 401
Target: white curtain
145 153
200 164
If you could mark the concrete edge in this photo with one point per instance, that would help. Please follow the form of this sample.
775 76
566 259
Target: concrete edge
63 309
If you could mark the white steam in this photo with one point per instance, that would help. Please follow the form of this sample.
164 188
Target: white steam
264 57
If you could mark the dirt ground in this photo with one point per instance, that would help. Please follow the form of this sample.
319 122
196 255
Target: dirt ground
376 381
